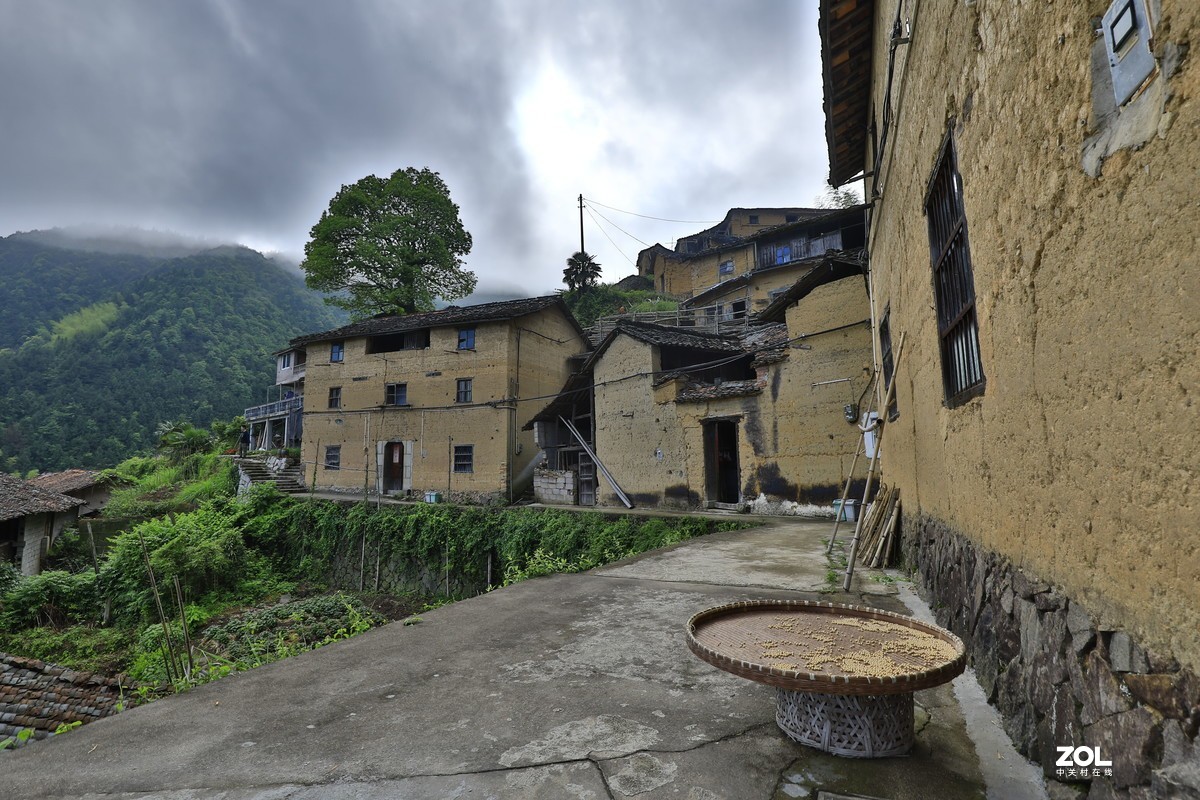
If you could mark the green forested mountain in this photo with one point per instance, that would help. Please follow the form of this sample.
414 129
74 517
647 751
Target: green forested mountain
97 349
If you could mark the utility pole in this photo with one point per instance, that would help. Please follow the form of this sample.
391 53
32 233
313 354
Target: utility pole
582 249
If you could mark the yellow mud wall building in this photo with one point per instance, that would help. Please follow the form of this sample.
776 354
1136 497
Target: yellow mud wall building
1034 237
434 402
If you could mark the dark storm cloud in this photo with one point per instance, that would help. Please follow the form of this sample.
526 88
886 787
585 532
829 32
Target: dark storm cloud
236 115
232 118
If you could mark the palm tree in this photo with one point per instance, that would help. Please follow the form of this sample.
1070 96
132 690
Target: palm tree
582 271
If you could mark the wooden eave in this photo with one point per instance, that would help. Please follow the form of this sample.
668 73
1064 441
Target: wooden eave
847 33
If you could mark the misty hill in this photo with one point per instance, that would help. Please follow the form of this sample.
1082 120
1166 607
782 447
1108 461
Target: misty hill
97 349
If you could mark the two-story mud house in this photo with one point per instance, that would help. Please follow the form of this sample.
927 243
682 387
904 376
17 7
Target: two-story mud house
685 418
1033 170
737 267
433 401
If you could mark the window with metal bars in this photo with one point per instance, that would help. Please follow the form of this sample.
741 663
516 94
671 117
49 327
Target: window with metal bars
464 458
953 281
889 364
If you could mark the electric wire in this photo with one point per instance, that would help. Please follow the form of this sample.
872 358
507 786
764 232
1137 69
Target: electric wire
660 219
610 239
618 227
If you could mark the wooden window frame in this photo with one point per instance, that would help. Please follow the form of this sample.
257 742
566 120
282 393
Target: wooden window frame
337 352
953 279
464 390
464 458
333 457
466 338
395 394
335 397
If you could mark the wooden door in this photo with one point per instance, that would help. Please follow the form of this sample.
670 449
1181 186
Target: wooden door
393 467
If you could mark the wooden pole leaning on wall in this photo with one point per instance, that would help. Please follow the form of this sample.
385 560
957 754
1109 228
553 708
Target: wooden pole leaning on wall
859 450
887 401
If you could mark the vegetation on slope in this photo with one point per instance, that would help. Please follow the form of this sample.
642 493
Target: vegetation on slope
589 303
95 374
255 574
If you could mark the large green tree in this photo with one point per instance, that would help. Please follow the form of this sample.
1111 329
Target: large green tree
390 245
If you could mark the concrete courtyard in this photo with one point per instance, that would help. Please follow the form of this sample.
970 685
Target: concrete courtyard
569 686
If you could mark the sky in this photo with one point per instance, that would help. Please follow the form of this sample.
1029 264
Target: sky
238 120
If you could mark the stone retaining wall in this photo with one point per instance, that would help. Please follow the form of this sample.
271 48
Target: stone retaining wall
41 697
1057 678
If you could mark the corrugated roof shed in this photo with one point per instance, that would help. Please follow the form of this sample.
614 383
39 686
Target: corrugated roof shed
20 498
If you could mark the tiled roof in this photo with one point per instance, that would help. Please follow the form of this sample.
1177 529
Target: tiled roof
634 282
698 393
451 315
41 696
834 266
672 336
20 498
67 481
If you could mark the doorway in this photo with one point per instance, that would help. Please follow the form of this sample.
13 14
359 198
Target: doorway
721 461
585 475
395 467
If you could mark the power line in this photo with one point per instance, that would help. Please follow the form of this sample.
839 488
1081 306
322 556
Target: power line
622 230
660 219
606 236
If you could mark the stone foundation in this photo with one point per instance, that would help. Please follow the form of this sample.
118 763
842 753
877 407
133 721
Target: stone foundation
40 697
1058 679
556 487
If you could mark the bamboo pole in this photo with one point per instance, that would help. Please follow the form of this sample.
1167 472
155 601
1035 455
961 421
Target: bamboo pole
891 391
187 637
161 614
841 509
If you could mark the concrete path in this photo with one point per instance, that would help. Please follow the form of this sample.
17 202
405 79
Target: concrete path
567 686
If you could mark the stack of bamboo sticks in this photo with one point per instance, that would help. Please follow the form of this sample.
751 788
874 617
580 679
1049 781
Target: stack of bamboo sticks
879 528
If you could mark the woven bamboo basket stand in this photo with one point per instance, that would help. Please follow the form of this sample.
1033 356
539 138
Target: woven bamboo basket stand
858 716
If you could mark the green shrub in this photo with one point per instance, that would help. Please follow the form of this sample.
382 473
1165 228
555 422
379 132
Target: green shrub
9 577
203 548
54 598
81 647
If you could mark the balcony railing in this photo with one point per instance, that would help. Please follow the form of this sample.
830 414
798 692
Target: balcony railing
276 409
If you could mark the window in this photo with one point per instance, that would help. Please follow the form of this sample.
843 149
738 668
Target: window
333 456
395 394
466 338
754 219
953 281
726 268
337 351
285 361
335 397
464 458
791 217
463 395
392 342
889 364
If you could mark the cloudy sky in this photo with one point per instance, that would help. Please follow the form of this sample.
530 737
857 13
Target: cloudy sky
239 119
